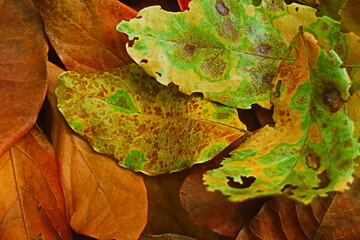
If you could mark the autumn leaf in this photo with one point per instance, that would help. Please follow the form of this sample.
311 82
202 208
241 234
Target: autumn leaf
213 210
310 150
23 51
228 50
31 198
350 18
102 200
334 217
82 32
145 126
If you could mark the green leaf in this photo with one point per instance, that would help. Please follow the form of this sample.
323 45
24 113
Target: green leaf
228 50
310 150
144 125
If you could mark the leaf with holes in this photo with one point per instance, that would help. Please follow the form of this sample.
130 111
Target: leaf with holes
227 50
310 150
147 127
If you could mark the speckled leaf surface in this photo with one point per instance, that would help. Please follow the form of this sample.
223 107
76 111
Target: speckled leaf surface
228 50
144 125
310 150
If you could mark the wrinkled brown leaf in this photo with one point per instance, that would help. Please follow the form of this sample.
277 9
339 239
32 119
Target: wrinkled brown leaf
335 217
168 236
212 209
22 69
103 200
165 212
31 199
83 32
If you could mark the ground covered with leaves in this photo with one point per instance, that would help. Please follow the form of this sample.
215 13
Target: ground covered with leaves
154 119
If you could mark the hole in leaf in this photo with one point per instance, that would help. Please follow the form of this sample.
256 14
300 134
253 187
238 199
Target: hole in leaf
159 74
131 42
264 116
288 189
296 9
144 61
324 180
246 182
248 117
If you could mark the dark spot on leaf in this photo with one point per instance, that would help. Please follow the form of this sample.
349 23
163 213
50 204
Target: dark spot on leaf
246 182
190 48
332 99
296 9
144 61
40 207
221 8
263 48
288 189
324 180
324 125
313 161
267 78
159 74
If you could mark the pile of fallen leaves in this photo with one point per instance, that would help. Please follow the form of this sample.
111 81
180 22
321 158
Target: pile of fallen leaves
226 120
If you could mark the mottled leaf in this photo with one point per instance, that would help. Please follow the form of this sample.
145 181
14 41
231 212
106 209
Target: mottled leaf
334 218
145 126
102 200
310 150
83 32
31 199
228 50
23 83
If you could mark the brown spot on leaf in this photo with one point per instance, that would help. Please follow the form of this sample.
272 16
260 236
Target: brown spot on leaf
213 66
144 61
267 78
190 48
221 8
324 180
263 48
332 99
313 161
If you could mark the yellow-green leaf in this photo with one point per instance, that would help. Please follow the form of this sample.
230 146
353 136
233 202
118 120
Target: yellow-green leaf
144 125
228 50
312 147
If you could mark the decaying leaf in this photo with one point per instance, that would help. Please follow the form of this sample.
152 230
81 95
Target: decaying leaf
310 150
23 83
31 199
144 125
228 50
102 200
168 236
335 217
83 32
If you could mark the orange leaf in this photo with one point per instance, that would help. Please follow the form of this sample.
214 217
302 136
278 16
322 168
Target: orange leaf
334 217
103 200
31 199
83 32
22 70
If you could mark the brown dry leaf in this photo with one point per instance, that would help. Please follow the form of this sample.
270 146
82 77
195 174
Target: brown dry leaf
31 199
167 236
103 200
169 5
335 217
22 69
212 209
350 17
83 32
165 212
